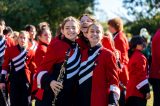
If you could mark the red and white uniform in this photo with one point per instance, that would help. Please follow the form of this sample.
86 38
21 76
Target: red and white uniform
155 66
50 67
137 75
121 44
19 60
107 43
98 76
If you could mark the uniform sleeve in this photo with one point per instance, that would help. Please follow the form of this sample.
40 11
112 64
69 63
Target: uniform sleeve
45 68
113 79
39 55
142 81
5 65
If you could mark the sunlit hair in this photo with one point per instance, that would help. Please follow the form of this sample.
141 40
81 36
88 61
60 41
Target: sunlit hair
70 18
89 16
43 28
23 33
116 23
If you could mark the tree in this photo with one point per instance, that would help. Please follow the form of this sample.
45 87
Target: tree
151 25
142 8
18 13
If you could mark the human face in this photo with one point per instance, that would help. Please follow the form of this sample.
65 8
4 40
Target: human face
85 21
70 30
94 34
111 29
23 40
32 33
46 36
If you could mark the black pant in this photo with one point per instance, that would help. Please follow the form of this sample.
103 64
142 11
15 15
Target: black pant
19 94
2 102
122 98
136 101
156 91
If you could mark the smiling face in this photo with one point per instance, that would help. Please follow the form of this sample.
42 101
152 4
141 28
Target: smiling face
85 21
45 36
70 30
94 34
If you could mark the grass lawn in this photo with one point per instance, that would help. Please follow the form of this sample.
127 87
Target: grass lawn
150 101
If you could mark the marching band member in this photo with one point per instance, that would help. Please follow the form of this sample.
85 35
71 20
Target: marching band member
5 42
155 68
44 36
32 34
98 75
85 21
22 67
51 67
115 26
138 90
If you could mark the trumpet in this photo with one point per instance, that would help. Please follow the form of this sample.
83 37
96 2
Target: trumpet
61 76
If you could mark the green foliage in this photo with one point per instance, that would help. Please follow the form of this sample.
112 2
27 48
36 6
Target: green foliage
151 24
18 13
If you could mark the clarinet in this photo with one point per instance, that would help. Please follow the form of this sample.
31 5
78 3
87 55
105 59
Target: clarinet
4 96
61 76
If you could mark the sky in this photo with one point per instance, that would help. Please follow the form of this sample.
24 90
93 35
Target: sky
107 9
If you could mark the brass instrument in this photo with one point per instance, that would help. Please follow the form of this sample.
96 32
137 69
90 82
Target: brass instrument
61 76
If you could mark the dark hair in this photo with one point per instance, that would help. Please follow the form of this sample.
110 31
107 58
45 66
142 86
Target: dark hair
7 30
29 27
136 40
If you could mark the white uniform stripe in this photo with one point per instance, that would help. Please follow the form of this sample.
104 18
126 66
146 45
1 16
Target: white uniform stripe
22 60
19 68
85 77
2 53
115 89
141 84
4 72
2 47
84 70
70 75
72 58
19 56
69 68
90 57
39 77
2 41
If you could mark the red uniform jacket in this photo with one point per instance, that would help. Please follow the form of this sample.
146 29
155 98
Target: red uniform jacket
39 55
17 58
137 74
40 52
121 44
107 43
97 77
155 66
82 41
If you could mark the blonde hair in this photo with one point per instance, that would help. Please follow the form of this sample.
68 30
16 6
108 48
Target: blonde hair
116 23
24 33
